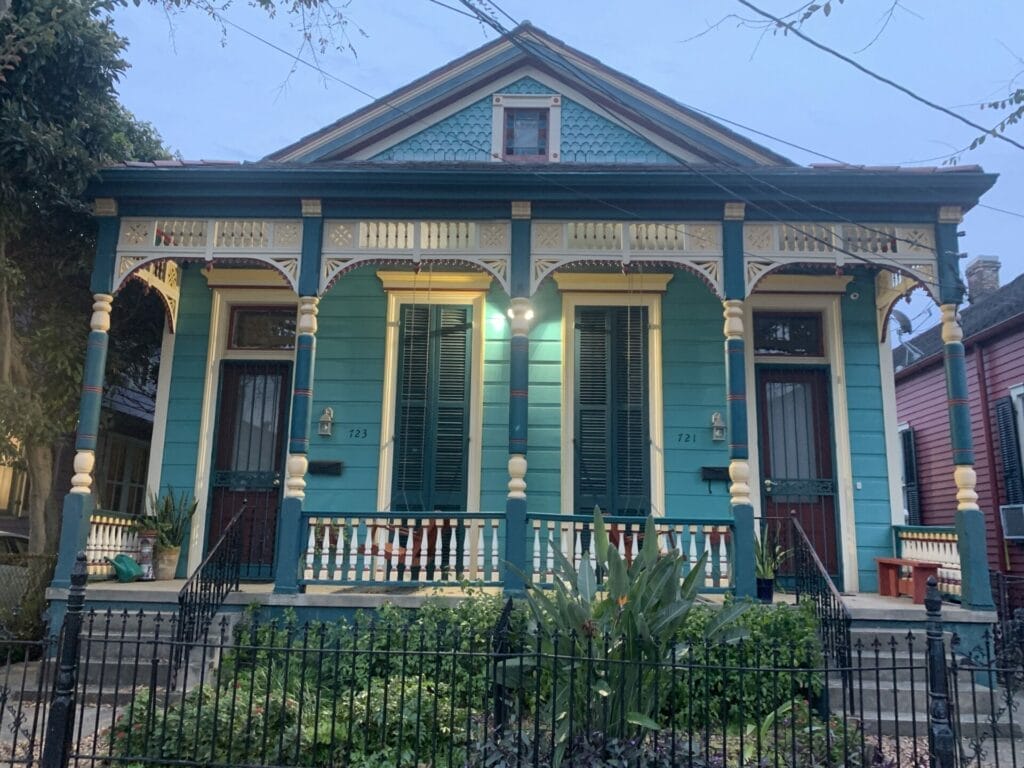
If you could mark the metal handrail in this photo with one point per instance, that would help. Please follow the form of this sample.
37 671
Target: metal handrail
206 589
834 618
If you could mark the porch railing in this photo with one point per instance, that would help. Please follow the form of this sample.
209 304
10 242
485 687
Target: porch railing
110 534
932 544
571 535
403 548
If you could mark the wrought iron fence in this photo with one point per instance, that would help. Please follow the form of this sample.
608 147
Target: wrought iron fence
404 692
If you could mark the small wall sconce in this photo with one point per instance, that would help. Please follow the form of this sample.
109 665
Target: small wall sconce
326 423
717 427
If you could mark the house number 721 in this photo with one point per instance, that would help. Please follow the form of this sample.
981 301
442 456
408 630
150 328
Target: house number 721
687 437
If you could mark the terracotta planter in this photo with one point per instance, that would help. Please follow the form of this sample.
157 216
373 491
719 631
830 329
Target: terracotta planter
165 562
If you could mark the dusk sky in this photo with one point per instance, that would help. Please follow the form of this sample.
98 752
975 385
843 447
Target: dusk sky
242 100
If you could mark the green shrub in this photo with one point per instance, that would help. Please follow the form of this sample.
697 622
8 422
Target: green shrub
732 682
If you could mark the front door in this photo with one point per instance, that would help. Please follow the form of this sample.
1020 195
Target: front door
248 459
796 460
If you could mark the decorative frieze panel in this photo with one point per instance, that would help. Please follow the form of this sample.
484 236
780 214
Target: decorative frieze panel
906 248
276 243
693 246
347 244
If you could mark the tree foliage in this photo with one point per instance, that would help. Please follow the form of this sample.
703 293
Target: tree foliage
60 122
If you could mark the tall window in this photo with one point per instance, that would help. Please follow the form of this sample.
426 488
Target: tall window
612 430
432 408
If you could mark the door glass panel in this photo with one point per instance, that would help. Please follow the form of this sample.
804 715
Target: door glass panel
790 438
257 422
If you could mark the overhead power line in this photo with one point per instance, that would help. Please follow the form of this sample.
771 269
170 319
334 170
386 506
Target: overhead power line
790 27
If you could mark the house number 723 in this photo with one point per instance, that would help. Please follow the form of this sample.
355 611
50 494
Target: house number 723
357 433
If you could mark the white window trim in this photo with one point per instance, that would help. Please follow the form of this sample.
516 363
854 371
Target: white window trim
430 290
1017 398
610 290
832 332
502 101
897 474
223 300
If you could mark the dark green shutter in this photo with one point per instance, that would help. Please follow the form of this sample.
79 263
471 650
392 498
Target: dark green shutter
911 496
612 435
432 409
1009 450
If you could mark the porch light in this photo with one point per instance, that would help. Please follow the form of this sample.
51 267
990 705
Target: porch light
326 423
717 427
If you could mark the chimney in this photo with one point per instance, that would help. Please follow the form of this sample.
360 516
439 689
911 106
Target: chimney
982 277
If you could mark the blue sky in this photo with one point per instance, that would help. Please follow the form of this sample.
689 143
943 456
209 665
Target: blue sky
235 98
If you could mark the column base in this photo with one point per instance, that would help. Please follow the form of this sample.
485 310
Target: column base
975 582
515 566
289 543
74 533
743 551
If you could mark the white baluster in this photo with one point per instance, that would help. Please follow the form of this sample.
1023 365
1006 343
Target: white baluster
708 552
634 547
467 548
577 552
622 542
494 550
368 569
536 548
693 547
554 540
480 572
424 550
723 558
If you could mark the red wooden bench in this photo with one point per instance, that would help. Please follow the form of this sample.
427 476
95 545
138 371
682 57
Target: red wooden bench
892 584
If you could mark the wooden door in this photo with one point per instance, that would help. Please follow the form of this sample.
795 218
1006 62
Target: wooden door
796 451
249 458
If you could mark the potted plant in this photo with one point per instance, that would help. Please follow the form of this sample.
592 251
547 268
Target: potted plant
768 556
170 515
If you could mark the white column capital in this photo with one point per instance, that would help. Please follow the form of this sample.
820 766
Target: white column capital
308 310
739 488
311 207
734 211
733 313
517 476
951 330
520 313
521 209
101 306
951 214
81 481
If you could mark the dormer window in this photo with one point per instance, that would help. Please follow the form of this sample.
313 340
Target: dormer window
526 134
526 128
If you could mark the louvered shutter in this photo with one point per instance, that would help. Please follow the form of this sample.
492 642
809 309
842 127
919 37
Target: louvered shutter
612 444
631 452
593 402
911 496
1009 450
432 409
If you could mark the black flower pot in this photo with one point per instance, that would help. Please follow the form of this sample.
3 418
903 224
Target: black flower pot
765 590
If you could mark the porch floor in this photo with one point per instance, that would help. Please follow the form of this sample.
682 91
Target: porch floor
864 607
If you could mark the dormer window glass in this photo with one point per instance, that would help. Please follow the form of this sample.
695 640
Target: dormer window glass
526 134
526 127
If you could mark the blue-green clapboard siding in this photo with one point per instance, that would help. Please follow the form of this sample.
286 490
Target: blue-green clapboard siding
185 400
587 137
693 373
867 429
544 472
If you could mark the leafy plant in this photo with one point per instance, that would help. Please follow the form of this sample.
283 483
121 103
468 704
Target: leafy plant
170 515
769 555
606 645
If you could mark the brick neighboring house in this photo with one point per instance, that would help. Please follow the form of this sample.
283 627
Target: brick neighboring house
993 326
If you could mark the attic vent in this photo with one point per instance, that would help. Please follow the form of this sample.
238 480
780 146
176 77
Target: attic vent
1012 516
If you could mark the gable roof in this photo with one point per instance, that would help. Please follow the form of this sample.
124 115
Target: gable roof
998 307
679 128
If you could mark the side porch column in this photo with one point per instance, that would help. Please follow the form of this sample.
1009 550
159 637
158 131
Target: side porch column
976 589
520 312
78 503
736 398
291 535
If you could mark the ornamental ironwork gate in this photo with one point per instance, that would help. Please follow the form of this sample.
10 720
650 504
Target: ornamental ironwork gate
248 459
797 473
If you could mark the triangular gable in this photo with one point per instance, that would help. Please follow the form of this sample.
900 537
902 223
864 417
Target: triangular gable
624 120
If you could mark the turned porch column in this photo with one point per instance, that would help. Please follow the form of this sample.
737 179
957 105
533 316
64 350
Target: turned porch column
290 531
736 399
520 313
976 589
78 503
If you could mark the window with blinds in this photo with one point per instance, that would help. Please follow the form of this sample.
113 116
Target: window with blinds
432 409
612 430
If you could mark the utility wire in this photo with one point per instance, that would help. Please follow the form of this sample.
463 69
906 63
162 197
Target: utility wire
790 27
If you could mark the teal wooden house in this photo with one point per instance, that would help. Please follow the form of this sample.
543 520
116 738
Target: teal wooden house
422 344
